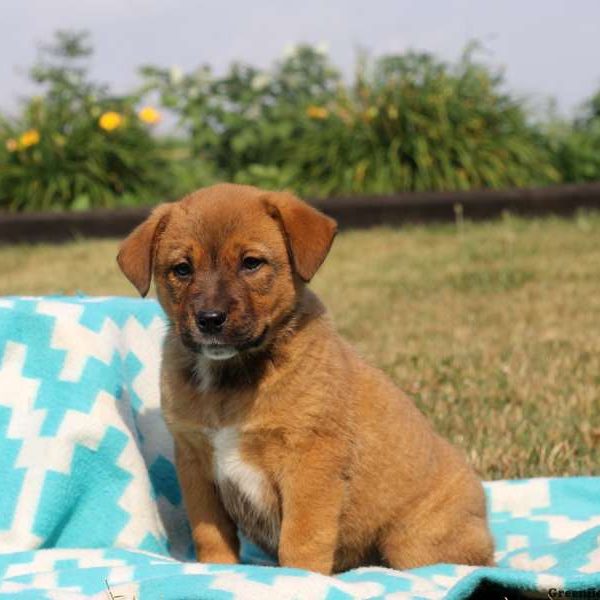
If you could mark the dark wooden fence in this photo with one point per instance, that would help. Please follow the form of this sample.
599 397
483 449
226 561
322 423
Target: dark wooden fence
350 212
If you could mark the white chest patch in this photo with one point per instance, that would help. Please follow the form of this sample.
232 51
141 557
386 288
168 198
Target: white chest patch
229 466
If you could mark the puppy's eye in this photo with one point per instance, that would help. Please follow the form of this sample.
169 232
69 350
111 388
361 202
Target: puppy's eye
252 263
182 269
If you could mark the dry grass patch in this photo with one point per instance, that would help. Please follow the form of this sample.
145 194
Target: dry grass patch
492 328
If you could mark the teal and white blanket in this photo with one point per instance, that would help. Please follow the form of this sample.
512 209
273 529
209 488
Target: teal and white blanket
90 507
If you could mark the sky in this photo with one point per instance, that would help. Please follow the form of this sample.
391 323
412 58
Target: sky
548 48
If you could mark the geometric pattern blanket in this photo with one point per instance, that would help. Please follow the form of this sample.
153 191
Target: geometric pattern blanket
90 506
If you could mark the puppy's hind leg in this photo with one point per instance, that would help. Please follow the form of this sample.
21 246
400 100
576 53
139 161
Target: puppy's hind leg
468 544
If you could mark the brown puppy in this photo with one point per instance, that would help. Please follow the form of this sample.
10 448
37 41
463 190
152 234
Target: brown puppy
280 428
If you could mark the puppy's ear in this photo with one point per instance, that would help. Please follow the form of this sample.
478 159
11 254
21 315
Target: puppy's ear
309 233
136 253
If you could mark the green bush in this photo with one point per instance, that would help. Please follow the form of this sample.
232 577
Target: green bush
576 146
247 122
77 146
406 122
414 123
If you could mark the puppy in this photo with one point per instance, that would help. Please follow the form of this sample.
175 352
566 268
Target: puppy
280 428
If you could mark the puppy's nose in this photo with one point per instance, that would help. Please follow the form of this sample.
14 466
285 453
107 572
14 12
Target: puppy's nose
210 321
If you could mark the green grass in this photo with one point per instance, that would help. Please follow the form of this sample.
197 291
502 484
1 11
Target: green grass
492 328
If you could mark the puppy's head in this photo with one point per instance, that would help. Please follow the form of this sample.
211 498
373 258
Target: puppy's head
229 262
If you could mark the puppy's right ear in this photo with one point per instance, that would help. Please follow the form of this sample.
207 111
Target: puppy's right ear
136 253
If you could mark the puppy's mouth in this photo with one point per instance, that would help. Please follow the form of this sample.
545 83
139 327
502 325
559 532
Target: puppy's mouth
218 350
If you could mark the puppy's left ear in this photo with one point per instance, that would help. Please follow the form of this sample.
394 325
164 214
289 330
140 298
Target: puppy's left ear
136 253
309 233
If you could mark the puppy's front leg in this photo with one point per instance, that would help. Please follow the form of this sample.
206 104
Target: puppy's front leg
312 494
213 532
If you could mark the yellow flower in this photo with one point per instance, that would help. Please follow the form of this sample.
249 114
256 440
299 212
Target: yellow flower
344 115
392 112
11 144
149 115
317 112
360 171
30 138
371 113
110 120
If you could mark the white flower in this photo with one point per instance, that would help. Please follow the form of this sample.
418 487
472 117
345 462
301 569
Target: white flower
290 50
253 112
260 81
322 48
175 75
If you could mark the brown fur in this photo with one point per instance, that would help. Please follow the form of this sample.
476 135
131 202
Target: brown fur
353 473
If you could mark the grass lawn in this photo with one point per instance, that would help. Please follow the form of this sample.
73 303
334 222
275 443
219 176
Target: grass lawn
494 328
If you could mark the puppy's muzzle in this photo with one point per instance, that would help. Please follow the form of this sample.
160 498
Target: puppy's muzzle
210 321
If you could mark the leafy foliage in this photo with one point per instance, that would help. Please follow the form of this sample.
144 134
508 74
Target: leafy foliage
576 146
412 122
81 147
246 122
405 122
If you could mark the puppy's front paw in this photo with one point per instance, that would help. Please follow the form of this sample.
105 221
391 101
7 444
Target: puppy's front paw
302 560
